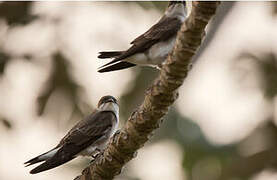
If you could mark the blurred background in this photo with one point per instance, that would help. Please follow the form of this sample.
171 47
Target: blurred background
223 126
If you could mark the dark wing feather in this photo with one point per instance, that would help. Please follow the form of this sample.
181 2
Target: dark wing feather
109 54
37 159
162 31
79 137
117 66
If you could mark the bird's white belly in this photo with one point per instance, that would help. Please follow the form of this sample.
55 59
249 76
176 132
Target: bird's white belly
155 56
88 151
91 150
158 52
138 58
99 144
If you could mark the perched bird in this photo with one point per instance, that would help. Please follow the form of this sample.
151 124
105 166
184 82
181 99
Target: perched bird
88 137
152 47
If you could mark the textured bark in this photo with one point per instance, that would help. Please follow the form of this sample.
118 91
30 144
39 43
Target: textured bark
162 93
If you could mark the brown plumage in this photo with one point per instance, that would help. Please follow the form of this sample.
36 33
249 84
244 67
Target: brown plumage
92 132
162 32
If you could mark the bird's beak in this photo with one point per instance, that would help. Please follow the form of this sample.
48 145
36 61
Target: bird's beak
112 101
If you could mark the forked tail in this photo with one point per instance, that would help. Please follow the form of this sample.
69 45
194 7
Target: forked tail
109 54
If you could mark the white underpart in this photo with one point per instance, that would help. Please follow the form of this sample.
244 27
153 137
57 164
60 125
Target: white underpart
179 11
157 54
91 150
110 106
102 142
138 58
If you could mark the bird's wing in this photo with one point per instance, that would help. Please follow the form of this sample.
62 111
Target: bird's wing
92 127
161 31
85 133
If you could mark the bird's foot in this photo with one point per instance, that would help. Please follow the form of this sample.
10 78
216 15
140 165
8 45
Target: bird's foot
159 66
115 136
98 152
117 133
92 161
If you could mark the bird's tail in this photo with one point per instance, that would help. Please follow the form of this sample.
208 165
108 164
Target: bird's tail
51 163
115 66
109 54
42 157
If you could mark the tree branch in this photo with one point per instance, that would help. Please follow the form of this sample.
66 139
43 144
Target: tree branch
163 92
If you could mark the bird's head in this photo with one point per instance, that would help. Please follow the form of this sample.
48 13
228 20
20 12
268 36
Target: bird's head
176 8
108 103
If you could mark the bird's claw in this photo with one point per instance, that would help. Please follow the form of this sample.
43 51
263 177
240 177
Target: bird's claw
97 153
117 133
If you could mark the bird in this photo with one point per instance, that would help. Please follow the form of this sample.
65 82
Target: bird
152 47
87 138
